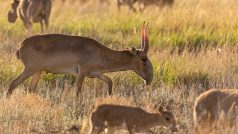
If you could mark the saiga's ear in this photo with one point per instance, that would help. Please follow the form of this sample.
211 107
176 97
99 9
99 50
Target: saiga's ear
161 109
133 51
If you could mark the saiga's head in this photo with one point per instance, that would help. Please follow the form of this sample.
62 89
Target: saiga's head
167 119
12 14
141 63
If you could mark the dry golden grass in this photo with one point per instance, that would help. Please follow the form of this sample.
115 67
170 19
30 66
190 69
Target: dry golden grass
221 126
22 113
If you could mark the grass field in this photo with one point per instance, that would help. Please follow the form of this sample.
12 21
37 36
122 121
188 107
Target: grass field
193 47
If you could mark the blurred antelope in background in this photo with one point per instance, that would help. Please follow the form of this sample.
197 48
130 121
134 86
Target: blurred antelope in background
85 1
30 11
210 105
81 57
143 3
115 117
158 3
129 3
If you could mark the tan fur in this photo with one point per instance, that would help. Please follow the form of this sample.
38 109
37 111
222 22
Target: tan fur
30 11
78 56
112 117
210 104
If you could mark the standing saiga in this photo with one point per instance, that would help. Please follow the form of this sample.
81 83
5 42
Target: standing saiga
30 11
110 118
81 57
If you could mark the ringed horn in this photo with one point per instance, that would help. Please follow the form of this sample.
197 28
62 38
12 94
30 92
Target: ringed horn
144 38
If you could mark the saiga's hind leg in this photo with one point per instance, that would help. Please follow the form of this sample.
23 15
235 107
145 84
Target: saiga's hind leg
42 26
47 9
22 77
34 81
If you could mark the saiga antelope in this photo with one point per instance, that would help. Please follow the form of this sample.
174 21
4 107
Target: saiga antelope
210 104
144 3
81 57
30 11
135 120
129 3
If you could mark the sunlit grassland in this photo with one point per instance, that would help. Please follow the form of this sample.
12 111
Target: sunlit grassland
185 44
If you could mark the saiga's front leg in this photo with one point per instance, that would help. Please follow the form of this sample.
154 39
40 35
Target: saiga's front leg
79 80
103 78
107 80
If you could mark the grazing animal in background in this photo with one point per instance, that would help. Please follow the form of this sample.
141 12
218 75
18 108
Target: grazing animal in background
144 3
107 2
158 3
30 11
81 57
210 104
85 1
135 120
129 3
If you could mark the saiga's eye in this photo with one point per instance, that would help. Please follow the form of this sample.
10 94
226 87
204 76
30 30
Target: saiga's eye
167 118
143 59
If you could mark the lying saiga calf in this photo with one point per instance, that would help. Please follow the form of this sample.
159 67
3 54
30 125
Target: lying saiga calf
30 11
81 57
210 104
112 117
